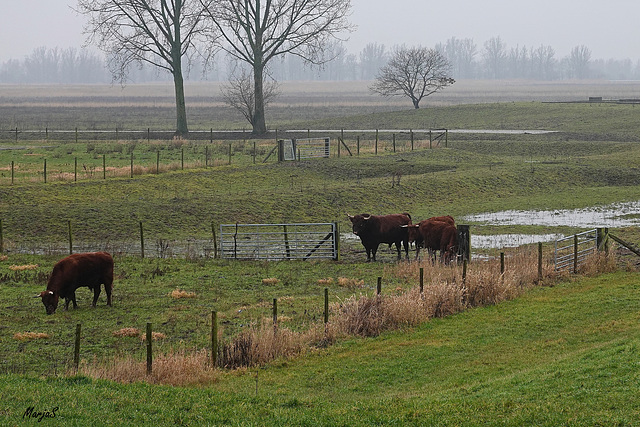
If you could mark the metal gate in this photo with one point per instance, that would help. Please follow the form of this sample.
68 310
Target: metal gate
572 251
279 241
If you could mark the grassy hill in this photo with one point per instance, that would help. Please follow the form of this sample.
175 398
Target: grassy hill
559 355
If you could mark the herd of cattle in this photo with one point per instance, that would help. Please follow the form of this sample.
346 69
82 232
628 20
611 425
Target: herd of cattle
434 234
95 269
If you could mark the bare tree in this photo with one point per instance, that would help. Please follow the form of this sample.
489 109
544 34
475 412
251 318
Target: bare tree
256 31
157 32
579 61
413 72
495 54
240 94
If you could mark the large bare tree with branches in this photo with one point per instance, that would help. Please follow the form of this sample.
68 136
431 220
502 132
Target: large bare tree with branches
256 31
413 72
158 32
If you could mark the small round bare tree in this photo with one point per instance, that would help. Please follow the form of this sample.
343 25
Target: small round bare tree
415 72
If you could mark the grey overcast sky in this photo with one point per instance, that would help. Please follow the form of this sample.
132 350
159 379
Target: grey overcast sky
609 28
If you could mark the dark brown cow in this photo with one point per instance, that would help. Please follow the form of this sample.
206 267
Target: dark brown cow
436 236
376 229
75 271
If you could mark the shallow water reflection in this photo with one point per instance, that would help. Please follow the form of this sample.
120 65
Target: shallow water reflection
615 215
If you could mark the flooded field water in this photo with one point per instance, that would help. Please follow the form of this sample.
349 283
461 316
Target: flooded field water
614 215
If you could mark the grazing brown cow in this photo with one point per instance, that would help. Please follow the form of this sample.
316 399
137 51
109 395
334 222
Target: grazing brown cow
416 237
376 229
435 236
77 270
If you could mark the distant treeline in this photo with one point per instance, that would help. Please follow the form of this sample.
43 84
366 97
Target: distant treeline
493 60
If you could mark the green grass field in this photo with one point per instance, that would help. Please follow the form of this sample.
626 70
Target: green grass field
562 354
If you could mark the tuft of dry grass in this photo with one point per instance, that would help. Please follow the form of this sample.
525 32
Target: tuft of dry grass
270 281
29 336
445 292
155 336
182 368
349 283
4 257
325 282
23 267
179 293
126 332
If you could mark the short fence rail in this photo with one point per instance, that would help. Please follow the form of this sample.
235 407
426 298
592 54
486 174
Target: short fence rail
572 251
279 241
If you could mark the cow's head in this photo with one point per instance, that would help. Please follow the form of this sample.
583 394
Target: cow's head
50 300
359 222
414 232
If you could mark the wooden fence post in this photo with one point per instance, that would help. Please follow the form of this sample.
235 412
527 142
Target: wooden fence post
45 171
376 150
149 349
214 338
358 144
501 263
421 279
275 314
141 241
76 349
464 271
230 152
157 162
379 286
394 142
326 305
182 158
215 240
75 170
575 254
12 171
104 166
539 262
411 133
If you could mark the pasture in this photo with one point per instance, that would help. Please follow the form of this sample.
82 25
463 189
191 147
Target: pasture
554 355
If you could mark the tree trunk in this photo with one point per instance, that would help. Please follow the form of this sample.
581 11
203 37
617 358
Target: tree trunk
181 107
259 124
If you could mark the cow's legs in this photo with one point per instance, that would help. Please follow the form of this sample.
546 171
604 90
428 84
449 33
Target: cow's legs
70 298
374 249
96 294
108 287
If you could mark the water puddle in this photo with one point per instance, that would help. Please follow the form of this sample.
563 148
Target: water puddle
615 215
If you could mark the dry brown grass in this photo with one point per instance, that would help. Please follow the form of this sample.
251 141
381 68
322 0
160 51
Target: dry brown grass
183 368
179 293
28 336
445 292
3 257
127 332
23 267
270 281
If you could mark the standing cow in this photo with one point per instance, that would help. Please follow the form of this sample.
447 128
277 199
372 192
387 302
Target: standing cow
435 236
376 229
78 270
416 237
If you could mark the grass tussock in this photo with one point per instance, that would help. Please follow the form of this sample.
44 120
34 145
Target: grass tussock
3 257
127 333
445 292
182 368
23 267
29 336
179 293
270 281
